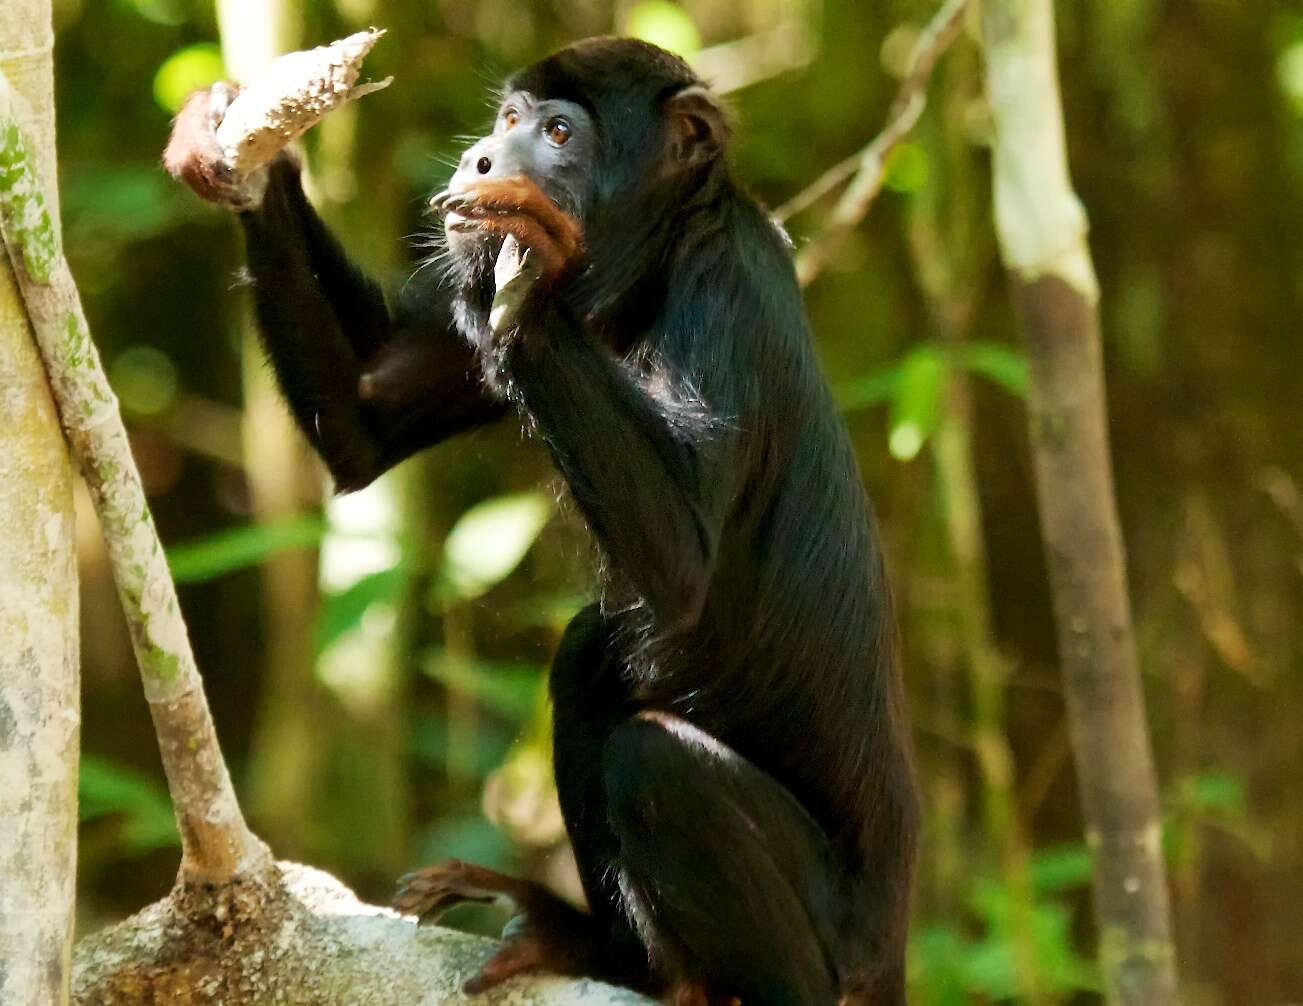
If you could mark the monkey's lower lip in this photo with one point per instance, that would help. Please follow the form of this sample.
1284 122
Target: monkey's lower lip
454 221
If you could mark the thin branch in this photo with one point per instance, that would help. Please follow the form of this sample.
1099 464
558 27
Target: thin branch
216 842
868 167
297 90
731 66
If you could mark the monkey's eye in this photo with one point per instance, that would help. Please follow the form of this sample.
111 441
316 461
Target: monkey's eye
510 117
557 130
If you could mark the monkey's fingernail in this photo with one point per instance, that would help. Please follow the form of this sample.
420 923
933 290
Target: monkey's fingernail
439 198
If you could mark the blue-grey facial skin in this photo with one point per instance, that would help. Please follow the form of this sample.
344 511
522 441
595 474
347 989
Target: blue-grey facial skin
552 142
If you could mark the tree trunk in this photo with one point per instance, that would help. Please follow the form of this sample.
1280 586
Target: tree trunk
1042 232
39 701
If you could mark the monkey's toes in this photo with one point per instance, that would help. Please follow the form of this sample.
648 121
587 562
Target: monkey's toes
430 892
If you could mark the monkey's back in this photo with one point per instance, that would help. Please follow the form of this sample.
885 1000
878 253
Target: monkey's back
794 655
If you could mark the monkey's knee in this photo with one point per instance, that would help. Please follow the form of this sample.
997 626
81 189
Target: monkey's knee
730 881
643 765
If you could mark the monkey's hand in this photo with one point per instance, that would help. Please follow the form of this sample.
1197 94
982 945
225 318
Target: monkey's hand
550 238
195 156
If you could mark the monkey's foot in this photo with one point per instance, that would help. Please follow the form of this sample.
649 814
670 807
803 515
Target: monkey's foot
691 993
518 955
430 892
546 934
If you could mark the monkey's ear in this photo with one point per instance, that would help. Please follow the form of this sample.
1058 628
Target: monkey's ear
698 126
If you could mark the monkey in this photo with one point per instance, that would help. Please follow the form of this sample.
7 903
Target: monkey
730 746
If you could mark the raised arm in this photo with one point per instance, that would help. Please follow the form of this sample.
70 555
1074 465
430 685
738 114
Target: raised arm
366 387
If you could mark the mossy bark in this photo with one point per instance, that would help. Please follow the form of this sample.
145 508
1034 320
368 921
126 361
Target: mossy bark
39 702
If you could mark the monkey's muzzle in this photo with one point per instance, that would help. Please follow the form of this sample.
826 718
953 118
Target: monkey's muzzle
446 204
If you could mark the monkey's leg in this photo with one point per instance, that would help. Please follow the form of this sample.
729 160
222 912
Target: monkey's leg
590 698
731 882
548 934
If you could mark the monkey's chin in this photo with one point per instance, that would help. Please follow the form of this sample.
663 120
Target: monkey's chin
473 250
455 223
466 238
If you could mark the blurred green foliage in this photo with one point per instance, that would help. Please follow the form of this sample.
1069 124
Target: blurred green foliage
915 385
487 543
187 70
229 550
664 23
140 807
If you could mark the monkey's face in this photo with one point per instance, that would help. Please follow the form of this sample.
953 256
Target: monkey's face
552 142
613 135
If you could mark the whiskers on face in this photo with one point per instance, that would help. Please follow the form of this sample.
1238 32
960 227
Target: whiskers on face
433 253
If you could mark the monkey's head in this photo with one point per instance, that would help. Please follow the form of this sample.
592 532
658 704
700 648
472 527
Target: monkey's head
616 132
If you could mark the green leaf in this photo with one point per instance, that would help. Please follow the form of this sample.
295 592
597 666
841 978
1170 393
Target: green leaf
1060 868
546 610
428 743
993 968
343 611
1215 791
665 24
121 203
510 689
489 540
871 389
104 788
187 70
939 959
168 12
466 835
916 401
1289 73
907 168
226 551
1002 364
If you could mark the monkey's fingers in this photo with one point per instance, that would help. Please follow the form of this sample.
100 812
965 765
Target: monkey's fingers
195 157
220 96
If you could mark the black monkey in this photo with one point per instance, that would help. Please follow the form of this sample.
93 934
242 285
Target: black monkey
730 749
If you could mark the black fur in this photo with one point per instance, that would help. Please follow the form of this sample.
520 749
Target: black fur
730 750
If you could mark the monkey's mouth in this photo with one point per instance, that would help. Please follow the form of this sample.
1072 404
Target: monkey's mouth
456 223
